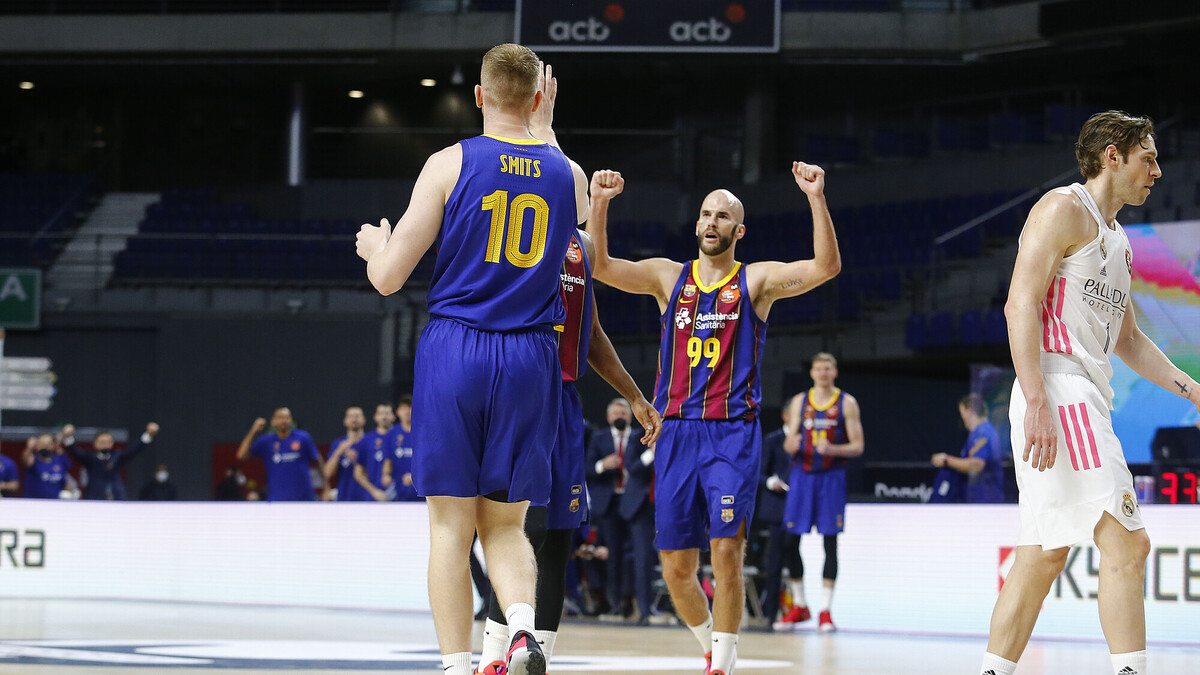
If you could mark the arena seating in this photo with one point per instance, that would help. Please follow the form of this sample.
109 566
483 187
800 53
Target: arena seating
37 211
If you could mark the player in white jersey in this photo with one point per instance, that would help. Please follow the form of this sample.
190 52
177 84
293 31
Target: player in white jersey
1068 309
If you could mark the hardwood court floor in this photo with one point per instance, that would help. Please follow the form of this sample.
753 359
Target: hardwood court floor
63 637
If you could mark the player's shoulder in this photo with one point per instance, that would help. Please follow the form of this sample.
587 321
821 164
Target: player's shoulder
1063 209
848 399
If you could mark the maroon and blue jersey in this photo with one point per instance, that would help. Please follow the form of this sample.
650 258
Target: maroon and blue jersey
712 342
577 299
816 422
505 230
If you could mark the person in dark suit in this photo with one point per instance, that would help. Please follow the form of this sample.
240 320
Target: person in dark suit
105 464
606 480
783 548
637 509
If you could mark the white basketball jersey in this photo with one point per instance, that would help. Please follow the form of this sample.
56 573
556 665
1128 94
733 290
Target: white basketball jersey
1086 301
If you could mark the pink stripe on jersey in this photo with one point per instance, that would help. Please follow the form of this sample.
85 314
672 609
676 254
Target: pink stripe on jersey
1048 320
1078 438
1087 424
1062 292
1062 416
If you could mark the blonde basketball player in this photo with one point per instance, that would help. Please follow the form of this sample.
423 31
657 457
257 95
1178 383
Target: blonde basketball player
1068 309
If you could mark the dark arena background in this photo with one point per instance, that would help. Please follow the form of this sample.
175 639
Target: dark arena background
181 182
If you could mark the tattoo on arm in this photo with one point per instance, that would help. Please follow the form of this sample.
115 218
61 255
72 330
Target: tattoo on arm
792 283
1182 388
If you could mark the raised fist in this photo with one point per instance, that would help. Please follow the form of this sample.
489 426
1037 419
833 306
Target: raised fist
259 425
152 429
607 184
810 178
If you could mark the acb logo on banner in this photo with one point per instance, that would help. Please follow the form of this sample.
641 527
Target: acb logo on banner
649 25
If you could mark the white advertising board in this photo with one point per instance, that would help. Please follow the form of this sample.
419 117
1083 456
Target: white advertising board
904 568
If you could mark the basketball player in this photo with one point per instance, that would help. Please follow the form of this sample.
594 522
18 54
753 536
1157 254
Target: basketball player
550 527
1068 309
502 208
343 458
825 430
714 324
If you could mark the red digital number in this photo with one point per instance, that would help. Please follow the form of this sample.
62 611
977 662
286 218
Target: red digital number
1190 491
1173 491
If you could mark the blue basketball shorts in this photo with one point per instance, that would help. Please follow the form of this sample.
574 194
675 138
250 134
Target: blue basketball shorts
568 498
816 498
706 479
485 411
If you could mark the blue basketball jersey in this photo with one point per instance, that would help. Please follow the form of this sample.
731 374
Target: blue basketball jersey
816 422
712 344
504 236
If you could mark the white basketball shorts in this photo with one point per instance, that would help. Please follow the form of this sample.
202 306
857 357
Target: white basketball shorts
1062 505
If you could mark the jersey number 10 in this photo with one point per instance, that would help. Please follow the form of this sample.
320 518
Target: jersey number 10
497 203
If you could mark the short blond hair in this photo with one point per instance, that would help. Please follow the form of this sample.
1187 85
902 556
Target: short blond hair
825 356
510 75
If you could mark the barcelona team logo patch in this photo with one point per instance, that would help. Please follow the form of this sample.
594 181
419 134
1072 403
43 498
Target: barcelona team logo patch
726 515
574 505
689 292
573 253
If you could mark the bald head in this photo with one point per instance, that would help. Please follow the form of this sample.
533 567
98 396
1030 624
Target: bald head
722 198
720 222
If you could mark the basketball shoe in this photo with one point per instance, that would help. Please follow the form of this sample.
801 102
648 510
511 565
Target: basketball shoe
525 655
493 668
826 624
796 615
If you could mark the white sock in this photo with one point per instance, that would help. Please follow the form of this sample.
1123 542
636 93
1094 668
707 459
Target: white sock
1131 663
826 598
797 588
704 633
996 665
457 664
546 639
724 652
495 643
520 618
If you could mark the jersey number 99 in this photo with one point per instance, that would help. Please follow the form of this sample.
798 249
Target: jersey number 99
497 203
709 349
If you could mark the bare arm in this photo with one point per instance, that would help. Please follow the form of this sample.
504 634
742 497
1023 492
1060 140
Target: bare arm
1140 353
653 276
392 255
360 475
771 281
970 465
1055 226
853 447
244 447
603 359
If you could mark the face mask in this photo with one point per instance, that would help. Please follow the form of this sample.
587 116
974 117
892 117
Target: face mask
241 480
44 453
161 476
104 454
620 423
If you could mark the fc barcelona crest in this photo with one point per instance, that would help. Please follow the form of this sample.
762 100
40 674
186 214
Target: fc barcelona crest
726 515
574 505
689 292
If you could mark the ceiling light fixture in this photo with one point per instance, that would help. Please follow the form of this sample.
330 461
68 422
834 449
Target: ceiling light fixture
26 85
354 93
429 82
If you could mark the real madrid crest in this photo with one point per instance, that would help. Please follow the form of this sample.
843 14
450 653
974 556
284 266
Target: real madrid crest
1127 505
1129 260
1103 249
